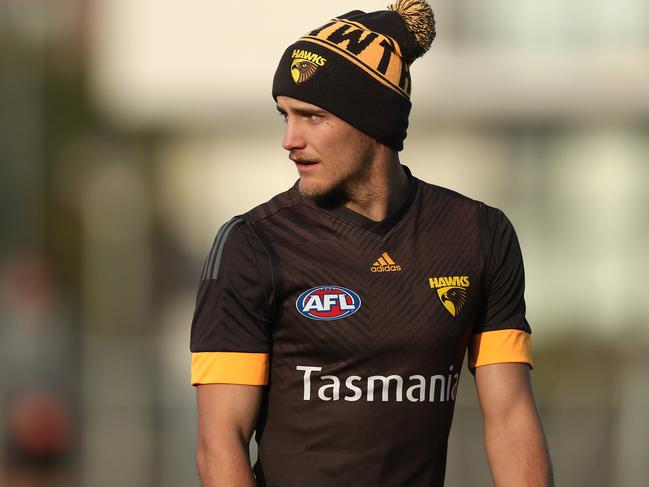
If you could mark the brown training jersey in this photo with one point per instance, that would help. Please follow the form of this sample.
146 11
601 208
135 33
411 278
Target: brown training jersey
358 330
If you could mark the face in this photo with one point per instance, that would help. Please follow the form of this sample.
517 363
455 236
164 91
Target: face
331 156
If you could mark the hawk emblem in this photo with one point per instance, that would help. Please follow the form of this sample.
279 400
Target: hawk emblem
451 291
302 70
453 299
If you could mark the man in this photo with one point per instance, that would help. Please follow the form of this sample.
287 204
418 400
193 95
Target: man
333 320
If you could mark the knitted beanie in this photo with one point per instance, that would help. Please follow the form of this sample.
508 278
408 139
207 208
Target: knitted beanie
356 66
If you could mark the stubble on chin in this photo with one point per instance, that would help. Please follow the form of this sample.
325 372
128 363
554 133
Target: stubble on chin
321 195
324 196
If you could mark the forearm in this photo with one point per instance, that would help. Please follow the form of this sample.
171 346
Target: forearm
225 463
517 451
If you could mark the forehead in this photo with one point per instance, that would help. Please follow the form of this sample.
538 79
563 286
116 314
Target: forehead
288 103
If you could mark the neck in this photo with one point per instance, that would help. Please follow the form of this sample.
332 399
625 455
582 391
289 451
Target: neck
384 190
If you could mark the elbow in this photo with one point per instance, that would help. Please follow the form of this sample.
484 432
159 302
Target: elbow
218 453
201 459
223 462
209 458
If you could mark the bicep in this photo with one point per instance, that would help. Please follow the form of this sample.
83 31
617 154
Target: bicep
514 439
227 409
503 389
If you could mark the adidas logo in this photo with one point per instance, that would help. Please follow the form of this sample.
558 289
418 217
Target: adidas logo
385 264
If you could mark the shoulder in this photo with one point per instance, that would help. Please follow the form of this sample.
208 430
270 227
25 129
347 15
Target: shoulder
432 193
240 237
245 236
241 227
284 202
457 206
453 200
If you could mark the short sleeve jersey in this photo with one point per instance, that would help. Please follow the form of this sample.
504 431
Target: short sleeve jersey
358 330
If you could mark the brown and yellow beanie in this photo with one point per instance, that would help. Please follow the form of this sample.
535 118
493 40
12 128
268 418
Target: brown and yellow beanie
356 66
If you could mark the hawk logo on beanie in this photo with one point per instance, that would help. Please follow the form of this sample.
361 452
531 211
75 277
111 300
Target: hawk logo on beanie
367 78
304 64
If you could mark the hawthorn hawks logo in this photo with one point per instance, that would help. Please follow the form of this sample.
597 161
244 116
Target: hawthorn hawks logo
305 64
451 292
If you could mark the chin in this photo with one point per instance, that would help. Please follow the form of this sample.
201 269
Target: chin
312 189
323 195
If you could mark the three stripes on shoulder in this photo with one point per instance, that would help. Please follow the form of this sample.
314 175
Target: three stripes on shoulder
213 260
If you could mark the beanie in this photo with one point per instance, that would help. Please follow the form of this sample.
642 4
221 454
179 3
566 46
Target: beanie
357 67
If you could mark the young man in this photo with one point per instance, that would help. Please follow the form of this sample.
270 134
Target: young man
333 320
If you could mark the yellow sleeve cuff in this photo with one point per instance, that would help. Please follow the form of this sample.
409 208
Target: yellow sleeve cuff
230 368
500 346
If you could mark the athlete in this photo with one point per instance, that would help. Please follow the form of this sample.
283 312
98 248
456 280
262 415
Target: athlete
333 320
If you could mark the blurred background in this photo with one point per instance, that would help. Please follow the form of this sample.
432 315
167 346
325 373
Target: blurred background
131 130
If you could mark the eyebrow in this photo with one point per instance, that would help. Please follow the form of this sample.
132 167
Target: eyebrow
304 111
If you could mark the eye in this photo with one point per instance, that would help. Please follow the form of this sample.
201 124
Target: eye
283 116
314 117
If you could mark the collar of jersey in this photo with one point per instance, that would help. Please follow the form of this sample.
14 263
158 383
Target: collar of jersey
377 227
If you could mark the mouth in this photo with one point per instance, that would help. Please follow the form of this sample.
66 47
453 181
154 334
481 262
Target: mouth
304 164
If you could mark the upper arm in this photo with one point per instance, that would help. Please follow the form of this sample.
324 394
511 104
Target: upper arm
227 414
227 409
516 447
503 389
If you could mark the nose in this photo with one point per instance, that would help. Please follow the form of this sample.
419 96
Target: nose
293 136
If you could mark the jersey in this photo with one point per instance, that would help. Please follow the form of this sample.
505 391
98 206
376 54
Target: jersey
358 330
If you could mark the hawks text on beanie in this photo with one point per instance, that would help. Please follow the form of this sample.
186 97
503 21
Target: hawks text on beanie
356 66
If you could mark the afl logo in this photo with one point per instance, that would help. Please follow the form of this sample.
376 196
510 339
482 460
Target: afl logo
328 303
